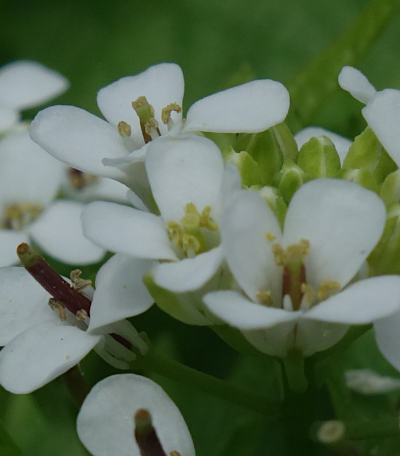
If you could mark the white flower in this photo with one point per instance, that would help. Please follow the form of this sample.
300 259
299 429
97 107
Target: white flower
83 140
341 144
382 110
43 341
366 381
188 182
29 181
295 283
25 84
106 420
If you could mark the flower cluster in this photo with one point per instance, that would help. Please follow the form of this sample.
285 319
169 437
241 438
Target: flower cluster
223 218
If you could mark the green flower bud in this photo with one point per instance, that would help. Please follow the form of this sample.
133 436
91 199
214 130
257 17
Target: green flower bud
361 177
291 179
275 202
269 149
249 170
385 258
390 190
318 158
367 153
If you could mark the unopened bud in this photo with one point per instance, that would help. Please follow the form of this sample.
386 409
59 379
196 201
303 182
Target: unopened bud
318 158
292 178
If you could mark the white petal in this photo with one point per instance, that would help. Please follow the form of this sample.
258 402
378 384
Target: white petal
120 292
42 353
241 313
24 84
23 303
106 425
188 274
341 144
123 229
186 169
354 82
28 174
58 231
343 223
9 241
245 224
8 118
314 336
79 139
360 303
161 84
387 337
251 107
383 115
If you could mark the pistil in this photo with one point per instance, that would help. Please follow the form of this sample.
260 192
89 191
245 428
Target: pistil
146 436
148 123
51 281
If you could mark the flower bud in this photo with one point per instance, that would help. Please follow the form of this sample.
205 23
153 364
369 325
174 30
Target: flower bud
361 177
275 202
368 154
291 179
390 190
318 158
249 170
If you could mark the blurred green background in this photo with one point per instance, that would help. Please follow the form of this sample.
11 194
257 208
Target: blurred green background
217 44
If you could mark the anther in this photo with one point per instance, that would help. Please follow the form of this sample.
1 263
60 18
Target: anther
148 123
79 179
265 298
166 112
78 283
124 129
59 308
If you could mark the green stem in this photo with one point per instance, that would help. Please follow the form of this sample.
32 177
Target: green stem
76 384
181 373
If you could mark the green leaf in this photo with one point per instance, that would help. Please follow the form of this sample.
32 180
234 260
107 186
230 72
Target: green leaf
318 79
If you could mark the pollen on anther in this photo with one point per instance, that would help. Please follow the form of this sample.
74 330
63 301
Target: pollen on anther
166 112
124 129
265 298
270 237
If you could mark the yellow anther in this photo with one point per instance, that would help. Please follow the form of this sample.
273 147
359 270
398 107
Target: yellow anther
294 253
191 219
206 221
59 307
190 244
174 453
265 298
150 126
327 289
78 283
309 293
175 233
270 237
80 179
82 315
124 129
279 254
17 216
166 112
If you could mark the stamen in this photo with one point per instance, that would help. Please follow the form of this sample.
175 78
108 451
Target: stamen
206 221
16 216
124 129
146 436
79 179
51 281
166 113
148 123
174 453
270 237
82 315
78 283
327 289
59 308
265 298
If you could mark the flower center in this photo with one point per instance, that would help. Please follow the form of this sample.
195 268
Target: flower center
193 234
79 179
148 124
296 292
18 215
